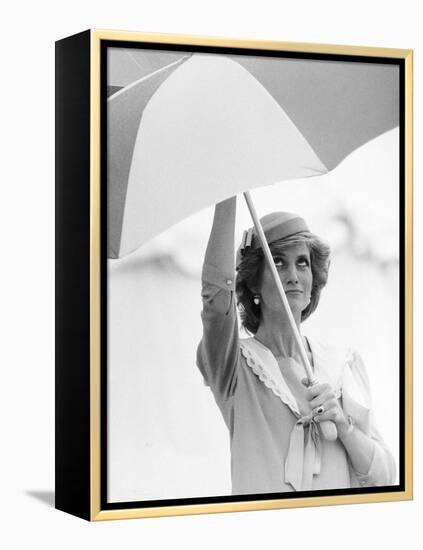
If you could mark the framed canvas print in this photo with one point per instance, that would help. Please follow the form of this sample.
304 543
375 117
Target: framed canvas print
233 275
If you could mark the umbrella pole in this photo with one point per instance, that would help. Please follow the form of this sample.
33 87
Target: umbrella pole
328 428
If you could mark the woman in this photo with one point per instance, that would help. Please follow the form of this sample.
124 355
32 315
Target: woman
258 383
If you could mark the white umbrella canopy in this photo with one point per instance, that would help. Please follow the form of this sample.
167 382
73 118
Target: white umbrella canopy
203 127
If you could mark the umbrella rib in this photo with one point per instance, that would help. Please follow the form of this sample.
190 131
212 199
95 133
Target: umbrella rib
130 54
316 174
146 77
316 171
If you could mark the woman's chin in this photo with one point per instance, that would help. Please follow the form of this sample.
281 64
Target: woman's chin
296 303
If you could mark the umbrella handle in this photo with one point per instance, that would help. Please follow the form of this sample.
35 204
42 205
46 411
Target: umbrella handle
328 428
329 431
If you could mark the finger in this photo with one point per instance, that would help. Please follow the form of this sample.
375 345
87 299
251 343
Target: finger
306 382
332 414
326 405
321 399
316 389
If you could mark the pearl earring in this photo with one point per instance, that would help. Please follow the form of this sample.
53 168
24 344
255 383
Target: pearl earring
256 299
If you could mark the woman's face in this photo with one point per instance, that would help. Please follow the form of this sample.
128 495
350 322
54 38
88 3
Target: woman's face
293 265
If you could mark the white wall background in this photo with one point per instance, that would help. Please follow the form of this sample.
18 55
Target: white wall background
27 279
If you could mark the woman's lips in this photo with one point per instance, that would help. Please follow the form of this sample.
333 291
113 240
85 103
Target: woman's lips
293 291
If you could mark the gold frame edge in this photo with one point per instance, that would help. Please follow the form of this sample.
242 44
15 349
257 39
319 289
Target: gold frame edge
95 280
409 272
250 506
225 42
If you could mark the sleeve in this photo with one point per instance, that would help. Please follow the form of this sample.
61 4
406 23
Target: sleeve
218 353
356 400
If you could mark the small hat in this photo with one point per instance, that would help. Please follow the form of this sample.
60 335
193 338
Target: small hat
276 225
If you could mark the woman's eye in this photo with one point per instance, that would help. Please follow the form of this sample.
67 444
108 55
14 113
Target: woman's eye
301 262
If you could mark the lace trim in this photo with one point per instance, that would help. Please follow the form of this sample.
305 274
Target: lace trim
268 381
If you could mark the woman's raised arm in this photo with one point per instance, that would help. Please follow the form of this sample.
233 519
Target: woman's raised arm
218 352
220 248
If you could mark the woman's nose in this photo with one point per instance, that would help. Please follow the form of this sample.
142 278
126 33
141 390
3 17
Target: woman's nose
292 275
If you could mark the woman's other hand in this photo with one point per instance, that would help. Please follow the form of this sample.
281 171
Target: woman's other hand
325 405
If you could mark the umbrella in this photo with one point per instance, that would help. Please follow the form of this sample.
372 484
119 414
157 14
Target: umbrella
199 128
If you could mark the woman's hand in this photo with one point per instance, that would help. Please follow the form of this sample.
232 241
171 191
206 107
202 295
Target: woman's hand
325 406
360 447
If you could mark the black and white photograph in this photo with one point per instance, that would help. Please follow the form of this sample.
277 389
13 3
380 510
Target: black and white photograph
254 258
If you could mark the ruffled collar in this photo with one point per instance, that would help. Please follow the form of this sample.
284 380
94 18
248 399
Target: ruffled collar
264 365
